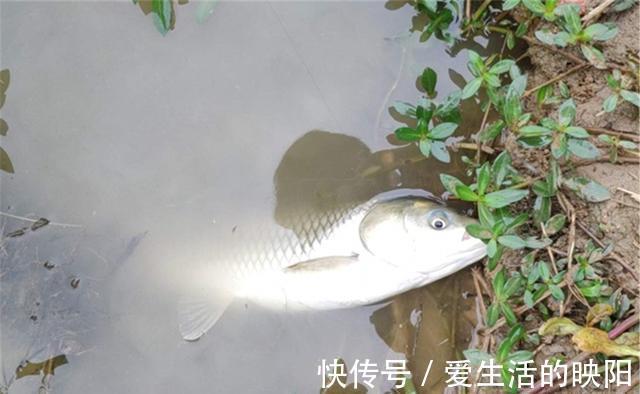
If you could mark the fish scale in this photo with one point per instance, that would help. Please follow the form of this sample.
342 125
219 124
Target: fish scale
269 246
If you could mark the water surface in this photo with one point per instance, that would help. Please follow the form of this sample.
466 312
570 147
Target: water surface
147 150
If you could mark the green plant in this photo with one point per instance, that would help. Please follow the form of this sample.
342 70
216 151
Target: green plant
574 33
440 14
561 134
615 144
505 356
430 136
485 73
614 81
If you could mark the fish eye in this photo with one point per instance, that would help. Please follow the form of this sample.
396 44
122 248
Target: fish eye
438 221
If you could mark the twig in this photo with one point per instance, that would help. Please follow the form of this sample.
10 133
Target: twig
595 13
621 134
624 326
482 126
633 195
480 10
555 79
549 251
470 146
35 220
468 9
475 274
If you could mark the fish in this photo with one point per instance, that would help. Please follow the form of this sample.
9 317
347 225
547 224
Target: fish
370 253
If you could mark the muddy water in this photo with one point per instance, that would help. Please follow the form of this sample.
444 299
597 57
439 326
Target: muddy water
142 150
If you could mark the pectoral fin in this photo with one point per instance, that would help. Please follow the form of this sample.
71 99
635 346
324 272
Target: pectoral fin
322 264
200 310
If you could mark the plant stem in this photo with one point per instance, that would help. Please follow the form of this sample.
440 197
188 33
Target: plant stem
480 10
621 134
470 146
555 79
595 13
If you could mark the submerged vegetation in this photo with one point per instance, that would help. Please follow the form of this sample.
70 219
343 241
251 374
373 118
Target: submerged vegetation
540 272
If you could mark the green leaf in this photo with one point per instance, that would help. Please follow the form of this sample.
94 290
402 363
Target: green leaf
485 215
528 299
501 166
512 286
476 357
509 4
502 66
555 224
591 290
545 36
484 177
492 80
556 292
515 334
567 112
594 56
542 189
512 241
632 97
587 189
431 5
492 248
534 131
504 197
440 152
407 134
205 9
405 109
492 315
543 268
492 131
5 162
476 64
450 182
571 13
513 223
559 147
520 356
576 132
522 28
534 6
479 231
610 103
498 282
425 146
162 13
465 193
471 88
564 90
601 31
533 243
442 131
509 316
624 144
583 148
428 81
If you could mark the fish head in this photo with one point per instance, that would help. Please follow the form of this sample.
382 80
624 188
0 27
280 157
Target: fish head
420 235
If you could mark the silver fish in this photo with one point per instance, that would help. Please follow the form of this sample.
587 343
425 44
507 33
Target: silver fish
368 254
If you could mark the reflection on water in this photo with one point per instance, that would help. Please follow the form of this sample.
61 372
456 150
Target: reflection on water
155 148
